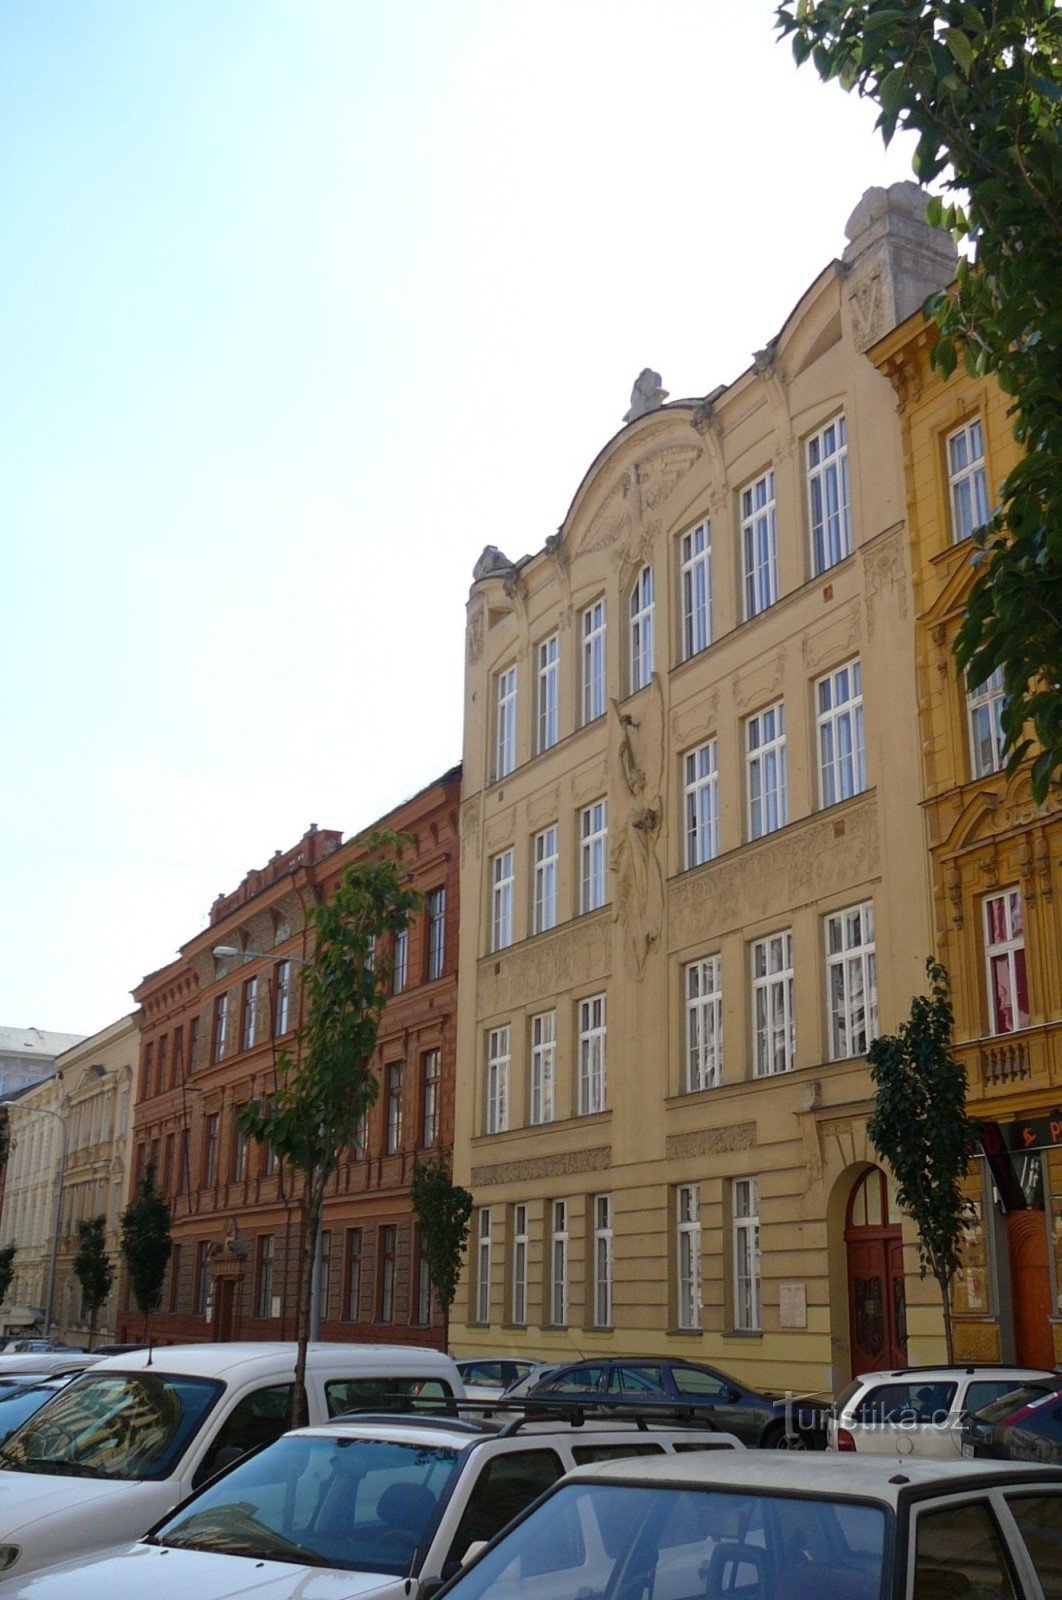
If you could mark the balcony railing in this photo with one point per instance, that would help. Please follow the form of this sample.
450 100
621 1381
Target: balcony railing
1002 1062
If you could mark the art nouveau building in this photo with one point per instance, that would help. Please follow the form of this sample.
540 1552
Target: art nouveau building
692 867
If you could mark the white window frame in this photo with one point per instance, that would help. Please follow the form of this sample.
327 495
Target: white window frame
593 856
435 905
641 630
592 660
545 863
688 1255
766 771
748 1310
773 1021
759 544
984 713
483 1266
502 880
829 498
518 1304
602 1218
704 1023
249 1019
547 685
593 1032
505 722
221 1025
700 771
1010 951
840 731
695 554
282 1008
558 1264
851 980
543 1080
967 482
400 964
396 1088
499 1060
430 1084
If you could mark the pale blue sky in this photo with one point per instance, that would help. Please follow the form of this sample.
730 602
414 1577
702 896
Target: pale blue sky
302 303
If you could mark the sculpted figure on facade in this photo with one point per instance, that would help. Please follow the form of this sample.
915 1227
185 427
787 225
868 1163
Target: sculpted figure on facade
639 887
646 396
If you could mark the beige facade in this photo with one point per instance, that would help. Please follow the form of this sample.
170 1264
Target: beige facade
693 868
30 1195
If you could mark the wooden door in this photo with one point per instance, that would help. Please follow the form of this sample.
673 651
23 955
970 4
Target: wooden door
224 1301
877 1298
1030 1288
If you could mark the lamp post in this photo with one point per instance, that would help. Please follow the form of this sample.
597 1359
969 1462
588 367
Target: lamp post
17 1105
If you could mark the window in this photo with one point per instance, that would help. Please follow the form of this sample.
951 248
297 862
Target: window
400 965
354 1250
558 1264
746 1254
282 1004
221 1024
162 1064
592 637
239 1147
602 1204
394 1108
543 1066
641 636
766 766
842 748
696 575
1008 990
501 900
688 1243
249 1019
984 709
593 856
422 1313
193 1044
704 1023
701 792
324 1274
178 1055
263 1296
967 486
210 1149
547 676
175 1278
505 723
851 981
759 545
774 1042
483 1265
429 1098
201 1286
498 1058
519 1297
544 888
828 501
591 1055
386 1303
435 907
960 1550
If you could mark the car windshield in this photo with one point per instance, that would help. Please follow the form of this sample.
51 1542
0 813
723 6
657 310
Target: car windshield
18 1404
592 1541
360 1504
116 1425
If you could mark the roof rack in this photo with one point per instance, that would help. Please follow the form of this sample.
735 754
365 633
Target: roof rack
513 1415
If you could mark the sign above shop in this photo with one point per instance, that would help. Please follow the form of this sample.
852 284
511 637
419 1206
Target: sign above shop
1033 1133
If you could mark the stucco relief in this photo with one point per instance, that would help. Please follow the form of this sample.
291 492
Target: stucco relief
868 309
544 807
885 575
638 890
570 1164
759 683
695 720
470 821
711 1141
475 635
590 782
498 831
841 639
612 520
544 967
844 1142
661 473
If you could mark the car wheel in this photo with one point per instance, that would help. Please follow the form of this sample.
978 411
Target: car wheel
778 1439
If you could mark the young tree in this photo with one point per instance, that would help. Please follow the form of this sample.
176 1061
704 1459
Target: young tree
981 86
326 1086
7 1270
443 1211
146 1244
920 1127
93 1269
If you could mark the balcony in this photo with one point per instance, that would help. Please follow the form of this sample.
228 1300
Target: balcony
1000 1063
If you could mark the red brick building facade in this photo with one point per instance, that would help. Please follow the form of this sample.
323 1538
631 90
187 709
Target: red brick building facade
211 1026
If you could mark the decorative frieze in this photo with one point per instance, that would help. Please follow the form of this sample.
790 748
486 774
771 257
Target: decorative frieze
571 1163
551 964
711 1141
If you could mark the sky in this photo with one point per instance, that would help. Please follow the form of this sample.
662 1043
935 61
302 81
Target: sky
302 304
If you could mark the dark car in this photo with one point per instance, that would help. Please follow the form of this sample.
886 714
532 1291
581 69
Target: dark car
773 1422
1024 1426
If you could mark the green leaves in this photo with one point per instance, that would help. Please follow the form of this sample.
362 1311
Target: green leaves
443 1211
146 1242
92 1265
7 1269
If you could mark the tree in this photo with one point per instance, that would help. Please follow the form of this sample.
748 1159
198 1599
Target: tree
7 1270
325 1087
920 1127
146 1244
981 86
93 1269
443 1211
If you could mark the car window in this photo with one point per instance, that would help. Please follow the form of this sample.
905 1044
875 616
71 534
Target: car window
1039 1517
983 1391
1043 1421
506 1486
636 1380
582 1453
693 1381
908 1403
482 1372
365 1394
576 1380
1029 1394
959 1555
257 1419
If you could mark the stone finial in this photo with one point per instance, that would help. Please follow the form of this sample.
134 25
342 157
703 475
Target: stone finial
492 564
646 395
893 258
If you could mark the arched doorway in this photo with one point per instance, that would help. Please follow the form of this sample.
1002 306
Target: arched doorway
877 1297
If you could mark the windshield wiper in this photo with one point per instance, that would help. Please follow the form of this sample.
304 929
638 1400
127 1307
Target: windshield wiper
226 1547
72 1469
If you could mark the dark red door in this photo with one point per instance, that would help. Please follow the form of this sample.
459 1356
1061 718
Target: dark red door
877 1301
1030 1289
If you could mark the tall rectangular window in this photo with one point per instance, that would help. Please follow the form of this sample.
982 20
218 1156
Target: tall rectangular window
394 1108
518 1309
593 856
221 1025
592 655
430 1064
641 634
773 1029
239 1147
842 745
592 1055
543 1066
829 511
696 569
211 1128
747 1254
422 1313
175 1278
435 910
547 687
967 485
178 1056
1008 987
163 1072
602 1204
388 1253
201 1283
544 884
400 964
765 759
354 1250
558 1264
249 1021
501 900
984 709
498 1060
282 1003
704 1023
851 981
759 545
483 1265
324 1280
264 1249
193 1044
700 770
688 1247
505 722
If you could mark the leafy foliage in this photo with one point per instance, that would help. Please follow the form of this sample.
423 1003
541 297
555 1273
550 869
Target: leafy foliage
920 1127
981 86
443 1210
93 1268
7 1269
146 1243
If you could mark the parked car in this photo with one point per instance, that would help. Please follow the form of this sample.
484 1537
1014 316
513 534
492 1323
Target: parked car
523 1386
21 1347
127 1441
41 1363
918 1410
485 1378
387 1505
1025 1426
19 1401
755 1527
774 1422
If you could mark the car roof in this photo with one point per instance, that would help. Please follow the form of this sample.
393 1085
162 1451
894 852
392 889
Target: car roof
456 1433
997 1369
245 1358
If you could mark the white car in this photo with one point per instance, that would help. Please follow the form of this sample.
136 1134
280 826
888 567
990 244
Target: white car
128 1440
386 1507
918 1410
487 1377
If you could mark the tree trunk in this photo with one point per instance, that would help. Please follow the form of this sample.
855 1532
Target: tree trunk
944 1284
93 1314
313 1202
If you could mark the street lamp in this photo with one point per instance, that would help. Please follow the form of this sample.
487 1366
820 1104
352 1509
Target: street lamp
17 1105
223 950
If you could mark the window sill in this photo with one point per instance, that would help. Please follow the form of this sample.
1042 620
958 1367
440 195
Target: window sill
743 1333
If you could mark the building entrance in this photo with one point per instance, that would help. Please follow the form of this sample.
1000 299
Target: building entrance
877 1295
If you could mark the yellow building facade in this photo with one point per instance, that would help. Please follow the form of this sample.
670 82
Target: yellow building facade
995 871
693 876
